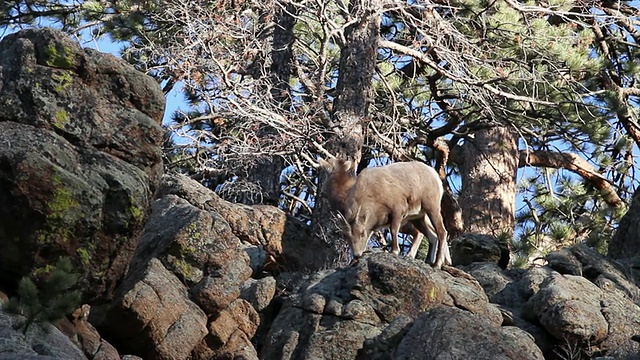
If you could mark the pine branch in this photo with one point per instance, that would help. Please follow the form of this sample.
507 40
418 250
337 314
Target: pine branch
464 80
576 164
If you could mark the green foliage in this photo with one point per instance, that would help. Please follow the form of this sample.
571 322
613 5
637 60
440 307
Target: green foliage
83 255
48 297
560 211
520 262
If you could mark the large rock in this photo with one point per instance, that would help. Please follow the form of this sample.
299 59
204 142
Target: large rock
471 247
591 307
286 241
154 317
80 157
575 310
37 343
199 247
451 333
365 310
259 292
584 261
626 241
189 240
566 308
510 290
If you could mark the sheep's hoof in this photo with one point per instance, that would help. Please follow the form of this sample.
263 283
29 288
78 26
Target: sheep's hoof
354 261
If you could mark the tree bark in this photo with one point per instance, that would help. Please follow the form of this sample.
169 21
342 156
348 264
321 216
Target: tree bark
489 166
354 93
625 244
266 171
350 110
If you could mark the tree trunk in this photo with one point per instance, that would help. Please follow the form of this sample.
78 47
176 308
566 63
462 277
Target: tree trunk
625 244
350 110
266 171
490 162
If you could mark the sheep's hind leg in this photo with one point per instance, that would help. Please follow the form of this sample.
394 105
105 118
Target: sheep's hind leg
426 228
416 238
443 256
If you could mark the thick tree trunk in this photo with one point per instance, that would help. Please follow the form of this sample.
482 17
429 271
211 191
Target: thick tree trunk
350 110
625 244
490 162
354 90
265 172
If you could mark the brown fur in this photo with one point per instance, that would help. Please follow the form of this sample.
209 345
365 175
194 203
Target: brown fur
389 196
341 179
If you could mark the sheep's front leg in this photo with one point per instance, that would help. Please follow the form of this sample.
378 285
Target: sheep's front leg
395 228
416 236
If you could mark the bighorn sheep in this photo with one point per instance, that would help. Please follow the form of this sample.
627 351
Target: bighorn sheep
392 196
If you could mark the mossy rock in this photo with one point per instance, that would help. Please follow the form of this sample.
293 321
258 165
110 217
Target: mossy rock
60 56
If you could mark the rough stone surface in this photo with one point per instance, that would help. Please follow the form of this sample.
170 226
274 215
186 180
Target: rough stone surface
231 331
259 293
564 262
195 244
497 283
430 337
381 282
619 274
285 240
365 310
38 343
86 337
626 241
470 248
565 307
157 310
574 310
465 292
79 157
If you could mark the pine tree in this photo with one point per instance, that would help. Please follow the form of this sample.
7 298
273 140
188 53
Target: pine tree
50 300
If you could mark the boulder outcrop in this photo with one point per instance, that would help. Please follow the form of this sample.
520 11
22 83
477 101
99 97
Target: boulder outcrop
80 157
380 309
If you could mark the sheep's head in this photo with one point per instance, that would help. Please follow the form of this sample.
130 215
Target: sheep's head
358 234
358 239
341 177
336 166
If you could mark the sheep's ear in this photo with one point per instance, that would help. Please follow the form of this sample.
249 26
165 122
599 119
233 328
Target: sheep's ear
325 165
344 223
349 165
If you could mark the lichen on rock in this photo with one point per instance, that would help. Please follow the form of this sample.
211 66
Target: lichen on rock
80 157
